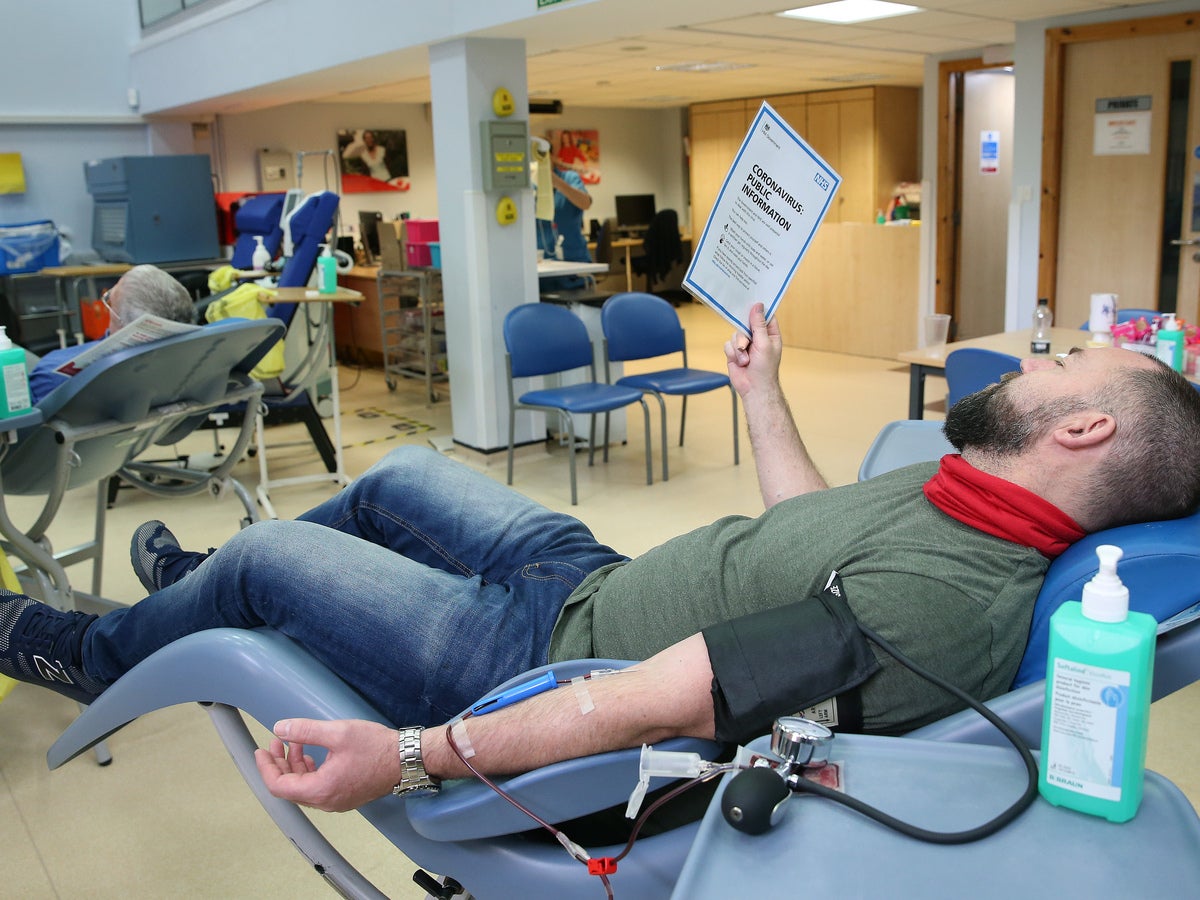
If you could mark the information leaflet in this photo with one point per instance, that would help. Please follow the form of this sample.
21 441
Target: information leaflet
769 207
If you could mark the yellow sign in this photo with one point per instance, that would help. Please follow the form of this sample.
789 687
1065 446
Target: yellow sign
502 102
506 211
12 174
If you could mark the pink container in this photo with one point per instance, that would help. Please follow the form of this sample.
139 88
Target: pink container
419 255
422 231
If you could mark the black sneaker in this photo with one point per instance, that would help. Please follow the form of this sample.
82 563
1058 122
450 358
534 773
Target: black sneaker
41 645
157 559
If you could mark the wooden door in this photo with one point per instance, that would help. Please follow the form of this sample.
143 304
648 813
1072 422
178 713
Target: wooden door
715 131
1115 208
859 192
824 133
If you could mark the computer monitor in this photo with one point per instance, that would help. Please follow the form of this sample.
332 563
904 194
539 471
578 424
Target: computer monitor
635 210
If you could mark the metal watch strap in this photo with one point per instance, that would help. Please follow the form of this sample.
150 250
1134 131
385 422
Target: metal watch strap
413 777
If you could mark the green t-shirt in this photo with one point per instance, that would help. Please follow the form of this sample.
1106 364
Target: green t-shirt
956 600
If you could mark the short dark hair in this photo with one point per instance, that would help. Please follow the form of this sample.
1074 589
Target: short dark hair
1154 470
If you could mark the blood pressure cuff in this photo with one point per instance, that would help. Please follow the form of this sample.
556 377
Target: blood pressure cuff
780 661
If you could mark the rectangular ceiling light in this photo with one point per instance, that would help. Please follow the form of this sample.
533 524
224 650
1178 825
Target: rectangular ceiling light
849 12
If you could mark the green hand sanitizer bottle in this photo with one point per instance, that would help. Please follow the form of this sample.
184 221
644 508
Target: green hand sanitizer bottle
14 382
1099 670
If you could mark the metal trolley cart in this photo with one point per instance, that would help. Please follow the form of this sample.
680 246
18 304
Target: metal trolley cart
412 327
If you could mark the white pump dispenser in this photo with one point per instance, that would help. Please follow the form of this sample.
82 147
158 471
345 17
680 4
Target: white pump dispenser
262 256
1105 597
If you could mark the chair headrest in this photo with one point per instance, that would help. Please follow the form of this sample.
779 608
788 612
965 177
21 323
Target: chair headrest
1160 565
259 214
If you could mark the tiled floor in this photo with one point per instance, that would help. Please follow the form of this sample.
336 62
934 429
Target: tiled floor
170 817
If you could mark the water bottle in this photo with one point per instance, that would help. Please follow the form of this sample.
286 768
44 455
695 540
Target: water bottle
1043 318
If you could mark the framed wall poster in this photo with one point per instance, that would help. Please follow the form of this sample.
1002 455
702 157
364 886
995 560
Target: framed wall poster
373 159
578 149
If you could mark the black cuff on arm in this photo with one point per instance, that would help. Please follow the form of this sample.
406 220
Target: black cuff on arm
779 661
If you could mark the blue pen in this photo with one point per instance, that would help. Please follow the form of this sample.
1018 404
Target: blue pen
516 694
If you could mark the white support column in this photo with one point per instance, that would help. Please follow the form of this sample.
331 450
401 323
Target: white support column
487 268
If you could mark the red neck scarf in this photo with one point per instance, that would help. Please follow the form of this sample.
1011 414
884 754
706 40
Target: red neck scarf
1000 508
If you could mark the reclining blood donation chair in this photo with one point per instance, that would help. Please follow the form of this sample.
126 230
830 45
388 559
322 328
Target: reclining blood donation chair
310 328
292 395
469 833
95 425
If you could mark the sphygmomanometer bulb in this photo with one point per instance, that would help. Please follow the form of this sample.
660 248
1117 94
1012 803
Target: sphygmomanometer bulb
753 799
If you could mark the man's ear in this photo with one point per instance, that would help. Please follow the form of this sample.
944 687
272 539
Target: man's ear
1088 428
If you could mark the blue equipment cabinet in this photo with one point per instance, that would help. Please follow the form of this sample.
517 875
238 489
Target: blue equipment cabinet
153 209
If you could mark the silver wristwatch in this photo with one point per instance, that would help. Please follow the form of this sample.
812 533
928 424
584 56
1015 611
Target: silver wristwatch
414 781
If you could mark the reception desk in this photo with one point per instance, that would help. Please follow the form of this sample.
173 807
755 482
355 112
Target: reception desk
855 291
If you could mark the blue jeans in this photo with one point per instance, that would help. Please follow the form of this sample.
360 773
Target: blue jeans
423 584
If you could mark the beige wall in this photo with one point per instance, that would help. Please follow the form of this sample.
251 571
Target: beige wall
640 152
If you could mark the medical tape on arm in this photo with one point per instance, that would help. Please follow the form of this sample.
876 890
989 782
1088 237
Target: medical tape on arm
458 728
582 694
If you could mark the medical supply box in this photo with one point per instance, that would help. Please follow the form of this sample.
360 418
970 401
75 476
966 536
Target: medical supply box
28 247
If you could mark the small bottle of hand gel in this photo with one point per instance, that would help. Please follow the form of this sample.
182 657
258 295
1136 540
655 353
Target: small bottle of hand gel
1099 670
14 381
327 271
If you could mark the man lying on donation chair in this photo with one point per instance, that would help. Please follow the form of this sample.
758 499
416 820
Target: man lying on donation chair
424 584
143 289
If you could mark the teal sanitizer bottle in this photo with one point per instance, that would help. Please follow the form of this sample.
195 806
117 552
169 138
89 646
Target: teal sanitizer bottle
1099 670
15 398
327 272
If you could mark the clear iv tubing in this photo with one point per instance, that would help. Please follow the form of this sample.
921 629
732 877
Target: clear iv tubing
957 837
577 852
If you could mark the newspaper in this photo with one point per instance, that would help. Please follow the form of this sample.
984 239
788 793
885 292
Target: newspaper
772 201
143 330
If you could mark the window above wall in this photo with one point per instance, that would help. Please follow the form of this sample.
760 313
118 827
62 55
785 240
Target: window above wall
155 11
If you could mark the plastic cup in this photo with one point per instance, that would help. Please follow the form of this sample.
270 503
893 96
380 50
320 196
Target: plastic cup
934 331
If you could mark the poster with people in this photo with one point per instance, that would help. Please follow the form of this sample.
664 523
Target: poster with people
577 149
373 159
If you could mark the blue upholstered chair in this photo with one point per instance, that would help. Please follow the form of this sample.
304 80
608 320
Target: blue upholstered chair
256 217
970 369
643 326
544 339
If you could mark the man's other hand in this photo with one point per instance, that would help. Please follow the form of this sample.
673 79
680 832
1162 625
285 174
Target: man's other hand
362 763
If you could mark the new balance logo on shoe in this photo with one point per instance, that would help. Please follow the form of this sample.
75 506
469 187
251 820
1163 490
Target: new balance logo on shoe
43 646
52 671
